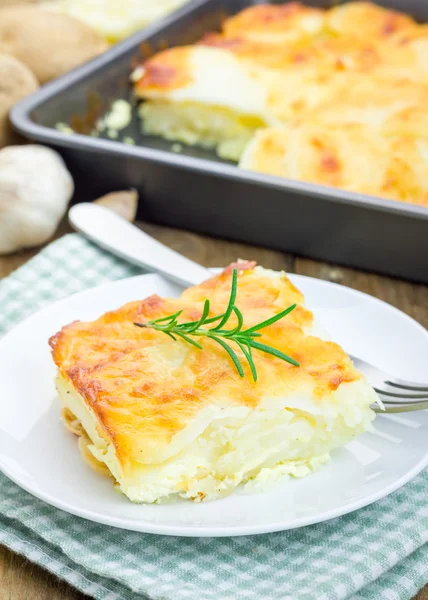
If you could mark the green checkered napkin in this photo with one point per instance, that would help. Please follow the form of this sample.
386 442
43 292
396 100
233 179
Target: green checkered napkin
377 552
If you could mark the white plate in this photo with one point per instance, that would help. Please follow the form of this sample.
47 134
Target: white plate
38 454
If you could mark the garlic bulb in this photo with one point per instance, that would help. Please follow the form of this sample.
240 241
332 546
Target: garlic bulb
35 188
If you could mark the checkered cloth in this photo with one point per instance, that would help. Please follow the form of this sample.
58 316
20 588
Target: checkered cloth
377 552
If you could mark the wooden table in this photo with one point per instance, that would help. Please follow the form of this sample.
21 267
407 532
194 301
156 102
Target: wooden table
21 580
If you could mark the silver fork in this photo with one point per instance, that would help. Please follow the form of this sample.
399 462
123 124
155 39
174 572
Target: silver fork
397 395
103 227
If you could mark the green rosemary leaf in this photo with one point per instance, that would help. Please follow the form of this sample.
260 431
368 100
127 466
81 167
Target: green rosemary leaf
168 318
273 319
274 352
230 352
228 333
248 356
170 335
201 321
231 304
214 319
188 339
240 318
207 321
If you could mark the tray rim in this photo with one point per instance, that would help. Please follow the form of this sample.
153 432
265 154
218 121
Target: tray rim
22 122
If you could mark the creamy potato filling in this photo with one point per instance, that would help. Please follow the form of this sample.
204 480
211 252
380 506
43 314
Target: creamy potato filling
256 446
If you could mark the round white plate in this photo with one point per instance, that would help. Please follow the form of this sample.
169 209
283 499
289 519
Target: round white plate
40 455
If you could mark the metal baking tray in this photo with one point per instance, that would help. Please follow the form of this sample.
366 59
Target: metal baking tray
195 190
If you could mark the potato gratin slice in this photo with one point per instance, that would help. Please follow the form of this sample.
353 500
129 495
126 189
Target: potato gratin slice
165 418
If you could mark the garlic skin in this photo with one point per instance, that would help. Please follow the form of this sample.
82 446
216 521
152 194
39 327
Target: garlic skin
35 189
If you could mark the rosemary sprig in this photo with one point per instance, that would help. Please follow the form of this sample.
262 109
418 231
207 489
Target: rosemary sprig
245 339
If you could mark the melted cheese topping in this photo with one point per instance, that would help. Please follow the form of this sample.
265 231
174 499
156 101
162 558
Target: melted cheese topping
281 66
383 165
167 418
275 24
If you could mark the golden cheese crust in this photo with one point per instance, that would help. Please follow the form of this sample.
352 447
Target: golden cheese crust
167 70
367 21
144 388
356 64
384 165
275 23
357 36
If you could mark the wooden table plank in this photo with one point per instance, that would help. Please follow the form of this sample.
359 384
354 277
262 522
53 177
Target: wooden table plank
20 579
212 252
23 580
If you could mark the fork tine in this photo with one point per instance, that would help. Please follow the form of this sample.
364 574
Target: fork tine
402 408
408 385
402 400
384 380
389 394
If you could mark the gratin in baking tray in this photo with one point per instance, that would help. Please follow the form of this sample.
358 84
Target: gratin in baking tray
196 190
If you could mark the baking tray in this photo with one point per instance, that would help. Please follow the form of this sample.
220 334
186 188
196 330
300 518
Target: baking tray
195 190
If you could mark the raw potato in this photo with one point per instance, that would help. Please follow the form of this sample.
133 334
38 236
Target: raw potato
49 43
35 188
16 81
